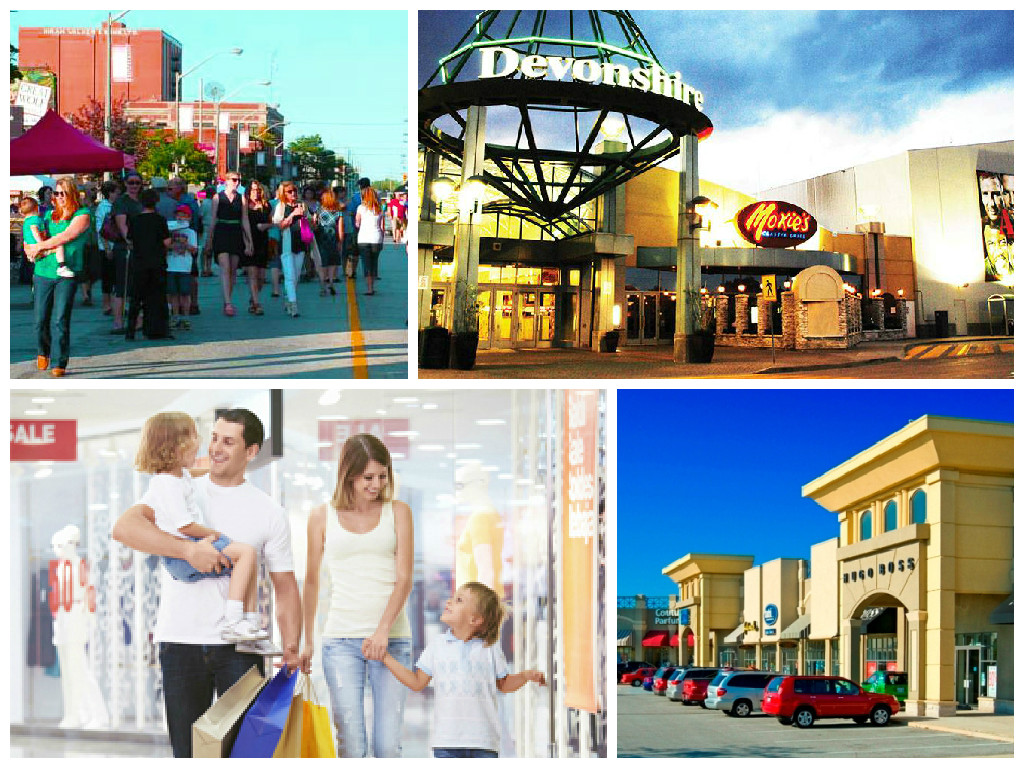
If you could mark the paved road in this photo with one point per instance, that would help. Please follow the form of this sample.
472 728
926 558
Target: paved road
653 726
347 336
975 367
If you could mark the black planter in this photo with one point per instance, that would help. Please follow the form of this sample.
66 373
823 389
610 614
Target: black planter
435 347
700 347
609 341
464 350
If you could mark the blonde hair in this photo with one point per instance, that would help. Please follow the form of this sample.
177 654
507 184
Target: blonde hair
490 608
283 187
63 211
164 437
356 454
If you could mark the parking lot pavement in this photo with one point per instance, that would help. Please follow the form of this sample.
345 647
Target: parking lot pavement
653 726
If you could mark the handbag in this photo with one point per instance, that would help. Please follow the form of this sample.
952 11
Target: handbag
317 740
305 231
265 721
110 231
214 733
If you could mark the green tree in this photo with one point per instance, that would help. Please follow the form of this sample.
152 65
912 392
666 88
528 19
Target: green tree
15 72
125 135
312 161
176 157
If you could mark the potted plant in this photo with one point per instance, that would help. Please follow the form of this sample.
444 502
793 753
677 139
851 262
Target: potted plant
466 322
700 344
435 347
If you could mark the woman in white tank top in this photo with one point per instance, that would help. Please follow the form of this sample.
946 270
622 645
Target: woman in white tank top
366 539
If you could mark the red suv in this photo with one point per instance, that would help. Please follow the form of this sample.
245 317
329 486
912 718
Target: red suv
636 677
799 700
695 685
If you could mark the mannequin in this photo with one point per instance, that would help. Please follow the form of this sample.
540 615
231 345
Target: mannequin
84 706
478 552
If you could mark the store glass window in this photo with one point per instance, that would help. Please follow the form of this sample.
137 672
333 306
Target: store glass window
919 507
748 656
768 658
482 470
787 660
727 657
889 513
834 656
814 657
865 525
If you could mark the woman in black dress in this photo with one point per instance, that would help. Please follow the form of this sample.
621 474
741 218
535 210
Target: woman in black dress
231 236
258 212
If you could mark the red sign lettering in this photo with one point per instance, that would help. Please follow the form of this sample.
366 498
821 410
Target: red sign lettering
774 224
41 440
333 433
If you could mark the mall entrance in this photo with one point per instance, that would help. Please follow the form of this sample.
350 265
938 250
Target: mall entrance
650 317
513 316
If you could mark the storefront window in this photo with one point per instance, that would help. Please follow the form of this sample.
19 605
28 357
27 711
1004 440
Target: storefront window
574 278
814 657
834 656
768 658
919 507
890 516
865 525
880 653
748 656
528 276
727 657
787 660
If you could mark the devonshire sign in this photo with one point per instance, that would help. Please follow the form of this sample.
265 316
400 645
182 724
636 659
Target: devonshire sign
775 224
499 61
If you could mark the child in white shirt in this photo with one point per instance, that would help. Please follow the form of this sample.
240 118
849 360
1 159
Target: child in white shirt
168 449
468 670
180 259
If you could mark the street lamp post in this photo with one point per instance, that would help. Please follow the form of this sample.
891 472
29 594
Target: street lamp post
177 85
107 127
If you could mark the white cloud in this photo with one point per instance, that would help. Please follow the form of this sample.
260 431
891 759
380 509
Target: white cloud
798 144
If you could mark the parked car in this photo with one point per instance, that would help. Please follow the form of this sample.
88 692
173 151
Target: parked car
738 693
694 685
660 683
893 683
636 677
802 700
674 687
648 682
631 666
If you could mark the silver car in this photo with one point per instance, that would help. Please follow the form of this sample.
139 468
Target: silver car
738 693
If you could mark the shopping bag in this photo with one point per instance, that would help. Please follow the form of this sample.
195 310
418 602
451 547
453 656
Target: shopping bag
214 733
317 740
264 722
290 744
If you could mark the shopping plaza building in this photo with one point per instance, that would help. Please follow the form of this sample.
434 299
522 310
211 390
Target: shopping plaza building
919 578
505 488
559 245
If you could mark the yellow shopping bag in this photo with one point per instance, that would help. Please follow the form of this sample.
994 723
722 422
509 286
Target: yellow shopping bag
317 740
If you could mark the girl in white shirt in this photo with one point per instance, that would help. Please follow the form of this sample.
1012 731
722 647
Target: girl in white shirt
168 449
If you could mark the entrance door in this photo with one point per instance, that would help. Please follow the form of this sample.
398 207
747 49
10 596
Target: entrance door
504 317
642 318
485 319
968 675
546 319
526 333
438 306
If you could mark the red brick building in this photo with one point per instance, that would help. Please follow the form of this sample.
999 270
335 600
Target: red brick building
144 62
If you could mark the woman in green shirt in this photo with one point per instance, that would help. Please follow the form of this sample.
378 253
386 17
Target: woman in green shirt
68 225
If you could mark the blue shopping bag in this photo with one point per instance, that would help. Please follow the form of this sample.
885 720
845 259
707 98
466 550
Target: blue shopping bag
264 722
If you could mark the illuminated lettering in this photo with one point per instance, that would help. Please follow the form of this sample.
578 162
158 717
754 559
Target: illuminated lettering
772 223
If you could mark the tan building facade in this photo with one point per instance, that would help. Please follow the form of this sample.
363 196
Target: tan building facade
919 579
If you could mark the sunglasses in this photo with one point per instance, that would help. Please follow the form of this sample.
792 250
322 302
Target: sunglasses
60 194
133 183
234 179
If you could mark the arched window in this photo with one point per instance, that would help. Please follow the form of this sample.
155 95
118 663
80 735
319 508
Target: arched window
919 507
890 516
865 525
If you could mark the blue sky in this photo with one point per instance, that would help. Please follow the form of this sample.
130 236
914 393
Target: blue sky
721 470
342 74
794 94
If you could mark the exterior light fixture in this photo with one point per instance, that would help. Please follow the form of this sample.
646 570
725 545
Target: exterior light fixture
616 315
900 293
721 289
741 288
876 292
612 127
697 209
471 194
441 190
788 284
704 291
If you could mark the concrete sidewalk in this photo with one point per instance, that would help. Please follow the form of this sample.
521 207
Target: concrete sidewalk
655 362
979 724
349 335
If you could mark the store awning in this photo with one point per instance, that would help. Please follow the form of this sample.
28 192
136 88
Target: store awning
674 641
625 638
797 629
656 638
733 637
1003 614
689 640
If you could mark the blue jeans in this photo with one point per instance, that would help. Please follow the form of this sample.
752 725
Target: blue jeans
191 673
463 752
347 671
182 570
53 301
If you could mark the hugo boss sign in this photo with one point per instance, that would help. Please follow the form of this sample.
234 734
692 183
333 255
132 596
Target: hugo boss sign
775 224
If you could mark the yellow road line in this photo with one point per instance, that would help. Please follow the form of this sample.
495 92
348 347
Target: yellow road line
917 352
360 370
936 351
963 350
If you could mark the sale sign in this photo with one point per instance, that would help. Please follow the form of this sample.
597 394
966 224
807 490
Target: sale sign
44 440
332 434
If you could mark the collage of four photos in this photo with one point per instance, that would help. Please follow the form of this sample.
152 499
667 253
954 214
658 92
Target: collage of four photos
263 506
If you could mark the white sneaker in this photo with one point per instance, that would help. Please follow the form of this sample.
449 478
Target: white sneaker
64 271
259 647
242 632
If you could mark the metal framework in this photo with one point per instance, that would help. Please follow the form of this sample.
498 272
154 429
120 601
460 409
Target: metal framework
542 115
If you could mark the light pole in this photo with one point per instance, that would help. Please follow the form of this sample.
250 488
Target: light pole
107 127
177 85
216 120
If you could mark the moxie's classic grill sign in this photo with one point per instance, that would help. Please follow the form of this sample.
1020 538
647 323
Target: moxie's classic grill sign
774 224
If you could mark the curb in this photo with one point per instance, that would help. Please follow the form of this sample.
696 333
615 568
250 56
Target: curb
961 731
828 366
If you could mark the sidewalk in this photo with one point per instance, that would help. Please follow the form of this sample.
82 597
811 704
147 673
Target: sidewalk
654 362
349 335
978 724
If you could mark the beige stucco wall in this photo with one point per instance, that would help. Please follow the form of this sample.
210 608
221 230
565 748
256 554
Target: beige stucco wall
824 598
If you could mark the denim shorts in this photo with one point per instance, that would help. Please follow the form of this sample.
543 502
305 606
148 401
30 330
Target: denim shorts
181 570
179 283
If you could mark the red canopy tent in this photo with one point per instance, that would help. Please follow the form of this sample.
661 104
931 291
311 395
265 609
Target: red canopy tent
54 146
